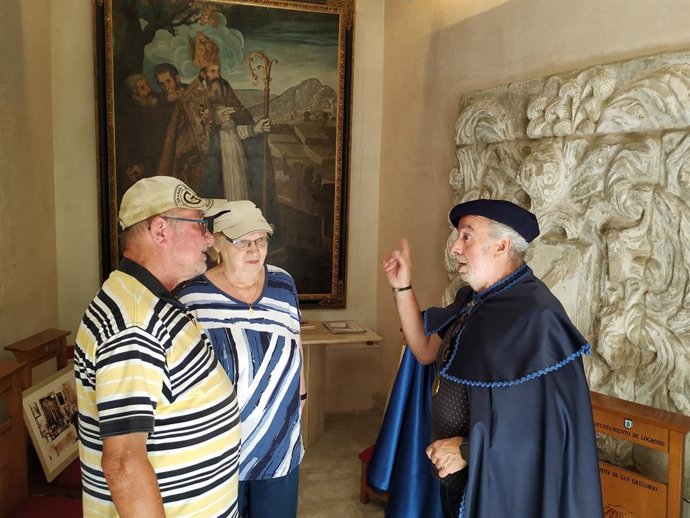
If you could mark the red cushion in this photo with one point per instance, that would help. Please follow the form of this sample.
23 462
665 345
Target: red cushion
49 507
365 455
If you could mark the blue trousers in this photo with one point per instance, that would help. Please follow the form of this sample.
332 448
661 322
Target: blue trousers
269 498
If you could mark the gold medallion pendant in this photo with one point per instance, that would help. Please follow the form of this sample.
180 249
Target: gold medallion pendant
436 385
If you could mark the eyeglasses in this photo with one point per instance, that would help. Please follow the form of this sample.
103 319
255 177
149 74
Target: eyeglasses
243 244
201 222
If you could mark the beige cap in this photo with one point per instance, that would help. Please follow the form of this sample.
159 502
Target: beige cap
157 194
237 218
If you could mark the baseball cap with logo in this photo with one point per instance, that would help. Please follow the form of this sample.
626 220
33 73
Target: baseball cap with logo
237 218
157 194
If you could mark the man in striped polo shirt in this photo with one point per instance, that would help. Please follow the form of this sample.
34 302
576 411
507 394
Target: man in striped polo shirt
158 417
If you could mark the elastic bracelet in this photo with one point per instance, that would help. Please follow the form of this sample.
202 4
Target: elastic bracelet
404 288
302 397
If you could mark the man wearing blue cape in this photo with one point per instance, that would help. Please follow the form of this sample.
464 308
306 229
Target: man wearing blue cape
512 433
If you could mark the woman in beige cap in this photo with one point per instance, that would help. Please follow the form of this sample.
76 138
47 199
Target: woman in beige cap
250 312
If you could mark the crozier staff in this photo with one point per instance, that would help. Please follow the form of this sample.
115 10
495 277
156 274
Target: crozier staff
512 429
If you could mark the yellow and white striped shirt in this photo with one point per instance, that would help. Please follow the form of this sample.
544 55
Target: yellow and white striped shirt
143 364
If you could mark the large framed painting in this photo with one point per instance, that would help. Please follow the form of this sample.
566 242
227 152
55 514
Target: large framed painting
241 99
50 408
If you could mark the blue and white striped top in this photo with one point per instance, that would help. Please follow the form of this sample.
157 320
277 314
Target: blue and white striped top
259 349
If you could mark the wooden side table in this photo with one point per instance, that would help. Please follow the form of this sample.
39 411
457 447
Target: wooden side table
314 344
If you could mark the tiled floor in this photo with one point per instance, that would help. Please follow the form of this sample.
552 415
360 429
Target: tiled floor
329 474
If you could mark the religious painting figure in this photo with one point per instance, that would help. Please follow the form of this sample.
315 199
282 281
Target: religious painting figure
143 120
253 103
211 143
171 85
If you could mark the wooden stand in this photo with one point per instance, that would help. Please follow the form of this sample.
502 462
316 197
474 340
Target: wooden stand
650 427
314 344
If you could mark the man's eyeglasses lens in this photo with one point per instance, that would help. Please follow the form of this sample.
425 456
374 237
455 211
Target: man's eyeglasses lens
203 223
243 244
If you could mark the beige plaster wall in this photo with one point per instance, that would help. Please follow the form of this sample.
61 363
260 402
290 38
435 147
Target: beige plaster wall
435 51
353 372
75 169
28 286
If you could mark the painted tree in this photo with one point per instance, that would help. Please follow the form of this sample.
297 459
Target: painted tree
167 15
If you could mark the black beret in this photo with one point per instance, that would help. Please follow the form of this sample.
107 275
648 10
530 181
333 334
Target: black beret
521 220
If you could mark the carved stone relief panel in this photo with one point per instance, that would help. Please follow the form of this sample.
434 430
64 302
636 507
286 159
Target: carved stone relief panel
602 157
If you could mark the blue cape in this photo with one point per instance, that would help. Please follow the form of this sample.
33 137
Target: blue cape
533 451
399 465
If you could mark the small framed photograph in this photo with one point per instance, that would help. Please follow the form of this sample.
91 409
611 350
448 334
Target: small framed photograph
50 407
342 326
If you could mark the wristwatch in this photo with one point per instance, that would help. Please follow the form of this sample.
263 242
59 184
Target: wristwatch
465 450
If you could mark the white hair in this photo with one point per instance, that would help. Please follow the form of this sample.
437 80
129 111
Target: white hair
518 244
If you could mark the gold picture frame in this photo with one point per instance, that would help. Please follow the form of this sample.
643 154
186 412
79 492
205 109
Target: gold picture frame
284 60
50 409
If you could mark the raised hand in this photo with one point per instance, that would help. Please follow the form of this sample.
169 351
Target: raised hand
224 115
398 266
